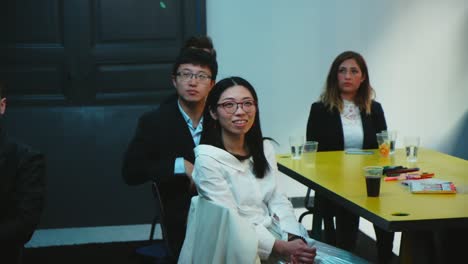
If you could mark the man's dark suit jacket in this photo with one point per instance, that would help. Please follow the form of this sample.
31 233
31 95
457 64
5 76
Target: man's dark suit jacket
325 127
22 196
162 135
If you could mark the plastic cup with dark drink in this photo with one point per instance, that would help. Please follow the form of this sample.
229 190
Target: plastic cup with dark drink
373 175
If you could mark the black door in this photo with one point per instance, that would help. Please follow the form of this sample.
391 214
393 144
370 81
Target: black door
80 73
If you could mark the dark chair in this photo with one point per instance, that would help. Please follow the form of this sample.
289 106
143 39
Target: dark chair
309 204
158 250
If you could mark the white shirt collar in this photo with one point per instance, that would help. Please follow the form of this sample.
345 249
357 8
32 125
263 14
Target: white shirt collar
187 118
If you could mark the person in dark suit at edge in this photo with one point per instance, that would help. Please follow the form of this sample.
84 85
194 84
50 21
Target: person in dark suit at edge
162 147
22 191
347 117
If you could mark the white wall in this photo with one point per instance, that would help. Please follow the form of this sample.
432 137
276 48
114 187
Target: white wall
417 53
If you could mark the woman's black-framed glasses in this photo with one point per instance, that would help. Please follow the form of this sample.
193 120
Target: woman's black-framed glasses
231 106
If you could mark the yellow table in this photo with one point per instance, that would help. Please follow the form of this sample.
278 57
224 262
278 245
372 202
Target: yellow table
339 176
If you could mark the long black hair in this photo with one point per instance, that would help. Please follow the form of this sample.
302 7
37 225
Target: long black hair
211 134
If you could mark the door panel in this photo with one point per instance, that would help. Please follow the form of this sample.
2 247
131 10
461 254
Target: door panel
68 52
33 53
35 21
133 46
130 20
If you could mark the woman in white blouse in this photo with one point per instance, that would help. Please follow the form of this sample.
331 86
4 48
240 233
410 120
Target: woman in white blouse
236 168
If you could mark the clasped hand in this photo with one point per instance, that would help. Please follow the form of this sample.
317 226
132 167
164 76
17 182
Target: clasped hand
296 250
301 252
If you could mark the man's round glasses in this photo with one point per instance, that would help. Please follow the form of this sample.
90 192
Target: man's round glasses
186 76
231 107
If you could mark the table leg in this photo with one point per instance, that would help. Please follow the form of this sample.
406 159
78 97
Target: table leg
316 227
417 247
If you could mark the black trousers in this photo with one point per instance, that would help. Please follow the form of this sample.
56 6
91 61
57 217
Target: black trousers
11 253
344 233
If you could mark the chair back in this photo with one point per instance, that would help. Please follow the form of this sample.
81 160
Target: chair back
160 249
159 207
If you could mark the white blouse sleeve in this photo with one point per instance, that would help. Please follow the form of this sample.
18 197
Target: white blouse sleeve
278 203
208 177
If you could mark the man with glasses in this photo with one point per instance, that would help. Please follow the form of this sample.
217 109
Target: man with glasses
162 147
195 42
22 191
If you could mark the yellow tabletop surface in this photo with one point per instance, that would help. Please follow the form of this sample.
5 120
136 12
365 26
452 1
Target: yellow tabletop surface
340 177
